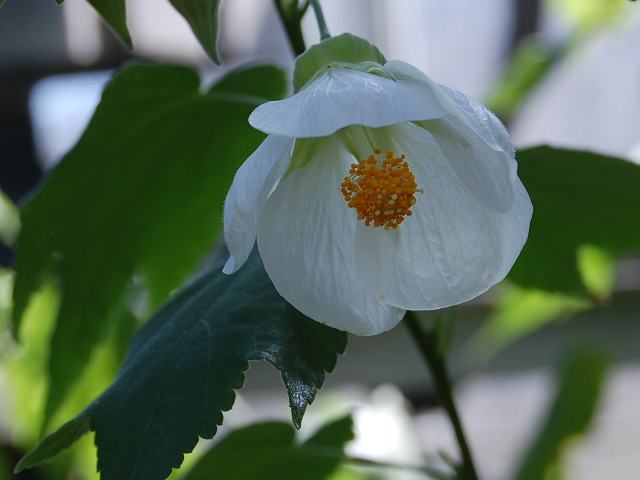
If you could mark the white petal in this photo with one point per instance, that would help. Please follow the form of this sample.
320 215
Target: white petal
453 248
473 140
306 241
245 201
342 97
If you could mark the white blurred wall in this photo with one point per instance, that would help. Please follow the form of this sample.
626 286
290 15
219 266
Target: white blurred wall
591 100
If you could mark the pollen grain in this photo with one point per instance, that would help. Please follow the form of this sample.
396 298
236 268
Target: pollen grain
382 189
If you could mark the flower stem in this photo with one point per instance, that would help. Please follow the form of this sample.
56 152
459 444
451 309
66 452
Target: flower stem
322 24
291 21
430 347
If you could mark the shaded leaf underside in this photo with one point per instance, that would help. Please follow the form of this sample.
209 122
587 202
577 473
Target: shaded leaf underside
139 196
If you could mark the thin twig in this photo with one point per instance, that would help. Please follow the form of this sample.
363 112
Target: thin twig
428 344
322 24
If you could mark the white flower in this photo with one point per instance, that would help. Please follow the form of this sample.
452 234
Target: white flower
352 236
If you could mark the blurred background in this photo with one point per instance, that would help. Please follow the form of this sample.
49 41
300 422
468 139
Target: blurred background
560 72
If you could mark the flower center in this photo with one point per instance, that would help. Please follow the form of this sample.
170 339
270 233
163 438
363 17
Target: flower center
382 190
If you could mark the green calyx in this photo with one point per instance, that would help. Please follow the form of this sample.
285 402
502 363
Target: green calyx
345 51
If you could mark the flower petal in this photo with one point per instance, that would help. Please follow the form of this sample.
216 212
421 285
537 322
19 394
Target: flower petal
251 186
341 97
473 140
453 248
306 238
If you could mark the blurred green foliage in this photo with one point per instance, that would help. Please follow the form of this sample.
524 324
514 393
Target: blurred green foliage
23 381
530 63
114 13
575 195
137 201
568 263
183 366
521 311
274 453
201 15
534 57
579 387
9 220
588 15
136 205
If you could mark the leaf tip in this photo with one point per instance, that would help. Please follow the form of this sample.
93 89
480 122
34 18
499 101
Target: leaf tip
124 35
20 465
298 410
214 55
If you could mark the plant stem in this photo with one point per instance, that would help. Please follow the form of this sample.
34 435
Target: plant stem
291 23
429 346
322 24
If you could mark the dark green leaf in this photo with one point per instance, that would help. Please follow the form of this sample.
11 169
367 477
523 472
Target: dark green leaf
579 199
333 435
140 194
62 439
269 451
202 16
185 363
114 13
576 401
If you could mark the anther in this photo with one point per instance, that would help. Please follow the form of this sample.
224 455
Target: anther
381 181
377 183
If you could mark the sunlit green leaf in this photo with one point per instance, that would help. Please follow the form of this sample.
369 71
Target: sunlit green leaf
23 378
6 286
579 198
529 65
185 363
139 196
586 15
269 451
9 220
202 16
579 388
24 366
597 270
521 311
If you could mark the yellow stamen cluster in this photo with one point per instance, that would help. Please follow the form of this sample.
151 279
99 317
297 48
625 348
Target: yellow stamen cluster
382 190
